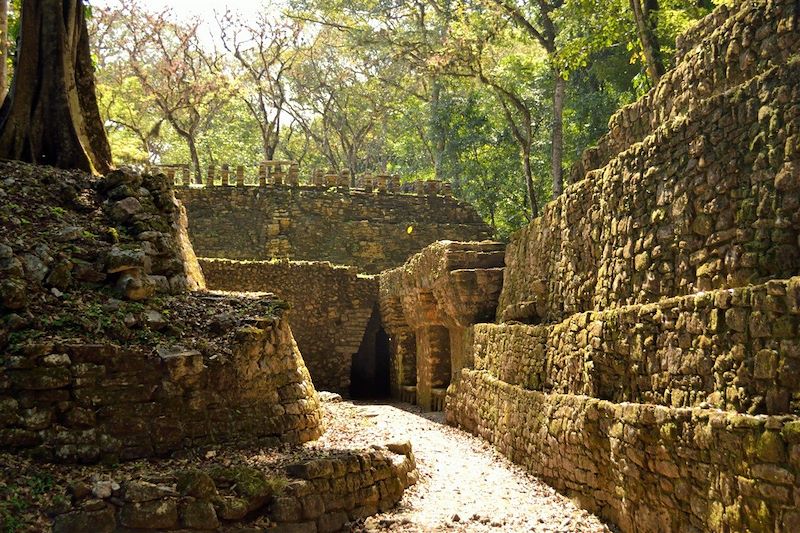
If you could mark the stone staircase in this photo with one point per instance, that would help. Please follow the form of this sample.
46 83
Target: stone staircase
647 358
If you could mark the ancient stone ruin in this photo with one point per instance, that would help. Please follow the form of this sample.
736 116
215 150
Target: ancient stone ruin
372 230
637 346
645 357
112 353
331 242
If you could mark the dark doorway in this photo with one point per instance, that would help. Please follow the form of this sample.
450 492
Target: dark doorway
369 372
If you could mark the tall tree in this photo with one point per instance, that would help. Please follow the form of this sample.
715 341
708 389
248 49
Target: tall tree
50 115
539 23
264 50
645 16
167 57
3 48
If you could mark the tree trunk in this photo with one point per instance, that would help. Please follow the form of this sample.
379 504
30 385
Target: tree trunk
645 17
526 166
557 140
3 49
50 115
438 134
198 172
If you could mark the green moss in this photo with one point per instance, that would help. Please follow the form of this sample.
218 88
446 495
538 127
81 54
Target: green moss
669 431
249 482
770 447
791 432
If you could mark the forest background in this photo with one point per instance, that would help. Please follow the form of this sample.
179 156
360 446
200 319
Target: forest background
495 97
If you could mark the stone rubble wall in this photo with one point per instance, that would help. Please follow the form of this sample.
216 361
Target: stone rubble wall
647 359
710 200
87 403
318 496
733 349
373 231
646 468
330 307
731 45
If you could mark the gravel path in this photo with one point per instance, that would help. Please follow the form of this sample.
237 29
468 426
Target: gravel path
464 484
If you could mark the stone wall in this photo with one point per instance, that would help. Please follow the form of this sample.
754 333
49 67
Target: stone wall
646 468
733 349
373 231
731 45
330 307
710 200
647 362
90 402
314 495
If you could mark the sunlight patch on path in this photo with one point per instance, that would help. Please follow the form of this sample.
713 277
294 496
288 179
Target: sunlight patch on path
465 484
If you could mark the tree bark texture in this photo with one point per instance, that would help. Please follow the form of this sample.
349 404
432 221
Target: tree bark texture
644 12
51 115
3 49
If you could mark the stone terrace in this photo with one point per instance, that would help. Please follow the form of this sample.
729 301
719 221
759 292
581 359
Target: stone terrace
647 356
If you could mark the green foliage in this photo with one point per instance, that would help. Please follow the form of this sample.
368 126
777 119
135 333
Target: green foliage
438 89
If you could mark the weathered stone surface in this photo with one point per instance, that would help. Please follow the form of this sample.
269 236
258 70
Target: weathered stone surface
725 223
158 514
668 319
601 450
427 305
198 514
330 308
106 402
102 521
370 231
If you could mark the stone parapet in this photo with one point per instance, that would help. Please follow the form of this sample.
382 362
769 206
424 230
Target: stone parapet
102 402
371 231
709 201
646 468
314 495
330 308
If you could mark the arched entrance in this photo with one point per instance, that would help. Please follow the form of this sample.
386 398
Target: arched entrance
369 372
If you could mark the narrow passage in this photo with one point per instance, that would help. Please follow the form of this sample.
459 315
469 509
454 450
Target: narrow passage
464 483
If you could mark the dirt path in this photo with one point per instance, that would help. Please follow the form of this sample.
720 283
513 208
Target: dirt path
464 484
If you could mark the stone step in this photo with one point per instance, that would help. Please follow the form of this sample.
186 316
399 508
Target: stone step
728 48
734 349
646 468
710 200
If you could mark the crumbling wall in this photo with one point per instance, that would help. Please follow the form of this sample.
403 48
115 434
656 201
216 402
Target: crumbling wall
330 307
730 46
644 467
91 402
321 494
709 201
373 231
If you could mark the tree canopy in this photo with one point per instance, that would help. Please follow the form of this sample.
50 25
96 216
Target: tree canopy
495 97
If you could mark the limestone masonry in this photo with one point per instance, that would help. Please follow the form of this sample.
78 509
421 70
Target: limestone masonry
370 230
90 402
314 495
646 355
330 309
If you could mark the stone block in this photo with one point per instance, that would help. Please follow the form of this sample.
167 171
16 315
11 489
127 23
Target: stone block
156 514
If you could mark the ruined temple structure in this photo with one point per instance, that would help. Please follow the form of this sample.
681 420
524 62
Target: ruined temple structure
643 354
324 239
372 229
